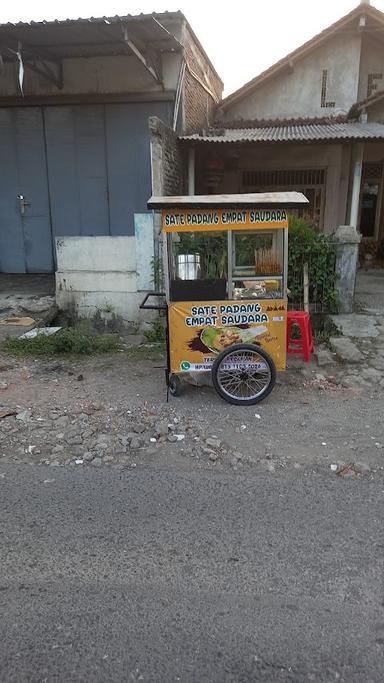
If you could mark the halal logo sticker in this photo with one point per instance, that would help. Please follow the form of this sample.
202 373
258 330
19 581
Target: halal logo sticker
185 365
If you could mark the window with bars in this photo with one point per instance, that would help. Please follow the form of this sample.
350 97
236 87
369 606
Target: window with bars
308 181
323 98
372 171
289 177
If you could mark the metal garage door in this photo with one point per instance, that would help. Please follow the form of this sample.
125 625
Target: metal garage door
25 229
77 167
82 170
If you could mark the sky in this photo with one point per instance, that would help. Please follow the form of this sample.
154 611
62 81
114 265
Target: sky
242 37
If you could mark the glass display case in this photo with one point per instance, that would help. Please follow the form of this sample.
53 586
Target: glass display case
236 264
257 264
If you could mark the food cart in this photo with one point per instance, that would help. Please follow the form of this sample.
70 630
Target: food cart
225 260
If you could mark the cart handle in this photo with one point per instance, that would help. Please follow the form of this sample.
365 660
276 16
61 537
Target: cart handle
153 307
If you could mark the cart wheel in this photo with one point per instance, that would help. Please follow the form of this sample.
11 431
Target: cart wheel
175 386
244 374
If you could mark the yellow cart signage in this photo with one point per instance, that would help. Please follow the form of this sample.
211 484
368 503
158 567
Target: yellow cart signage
207 220
199 331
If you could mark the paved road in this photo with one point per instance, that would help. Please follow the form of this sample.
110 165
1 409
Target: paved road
165 576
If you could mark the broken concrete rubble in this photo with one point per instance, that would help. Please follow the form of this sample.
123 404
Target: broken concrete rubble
346 350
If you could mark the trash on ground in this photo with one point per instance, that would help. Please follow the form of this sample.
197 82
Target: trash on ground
257 416
334 468
18 322
46 331
179 437
79 461
344 469
7 412
23 415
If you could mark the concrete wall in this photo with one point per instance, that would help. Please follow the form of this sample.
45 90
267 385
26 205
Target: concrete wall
296 92
106 274
376 112
372 62
334 159
167 163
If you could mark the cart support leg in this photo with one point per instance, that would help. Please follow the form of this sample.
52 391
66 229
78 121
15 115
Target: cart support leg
168 367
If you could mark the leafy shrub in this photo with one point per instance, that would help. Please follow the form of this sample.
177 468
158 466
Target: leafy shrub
156 334
67 340
323 328
307 245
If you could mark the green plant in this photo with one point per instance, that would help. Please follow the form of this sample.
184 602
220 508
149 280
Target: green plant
108 308
212 247
68 340
307 245
247 244
323 328
157 273
156 333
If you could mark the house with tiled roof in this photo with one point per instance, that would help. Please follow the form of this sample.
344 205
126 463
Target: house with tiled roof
314 121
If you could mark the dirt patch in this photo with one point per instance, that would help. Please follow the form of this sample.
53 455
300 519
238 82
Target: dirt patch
112 411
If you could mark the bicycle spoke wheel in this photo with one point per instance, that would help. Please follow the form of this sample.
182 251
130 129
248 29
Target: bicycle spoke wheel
244 374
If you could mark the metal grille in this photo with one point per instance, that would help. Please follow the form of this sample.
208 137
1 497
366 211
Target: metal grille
284 177
372 171
322 279
324 81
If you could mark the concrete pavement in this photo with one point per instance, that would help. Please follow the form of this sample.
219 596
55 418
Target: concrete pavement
198 576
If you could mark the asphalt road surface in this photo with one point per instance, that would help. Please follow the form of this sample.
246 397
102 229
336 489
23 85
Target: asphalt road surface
199 576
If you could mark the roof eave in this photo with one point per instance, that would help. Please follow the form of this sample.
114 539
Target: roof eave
260 199
370 101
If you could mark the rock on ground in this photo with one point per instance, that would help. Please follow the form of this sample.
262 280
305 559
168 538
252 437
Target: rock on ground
346 350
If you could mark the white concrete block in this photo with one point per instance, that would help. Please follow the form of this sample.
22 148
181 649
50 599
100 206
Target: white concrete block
94 281
96 253
86 304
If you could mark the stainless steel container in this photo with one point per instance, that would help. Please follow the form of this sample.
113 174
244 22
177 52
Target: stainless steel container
188 266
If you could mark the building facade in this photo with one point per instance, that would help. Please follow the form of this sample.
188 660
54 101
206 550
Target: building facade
312 122
75 102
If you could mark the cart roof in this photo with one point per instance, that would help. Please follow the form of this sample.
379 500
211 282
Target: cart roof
264 200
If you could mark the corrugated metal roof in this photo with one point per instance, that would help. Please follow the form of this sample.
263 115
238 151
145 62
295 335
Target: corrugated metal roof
94 36
260 199
293 133
117 18
99 36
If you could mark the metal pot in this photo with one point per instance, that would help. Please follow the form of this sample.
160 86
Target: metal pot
188 266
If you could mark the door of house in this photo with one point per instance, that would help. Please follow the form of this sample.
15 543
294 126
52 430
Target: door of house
370 199
25 226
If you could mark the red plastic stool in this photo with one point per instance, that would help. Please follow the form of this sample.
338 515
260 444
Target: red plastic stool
305 344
